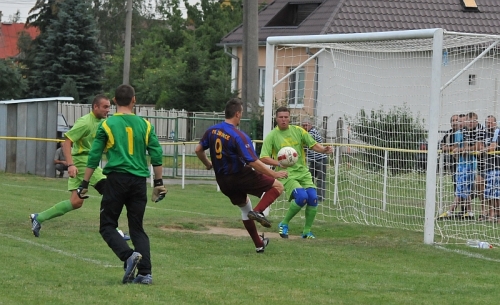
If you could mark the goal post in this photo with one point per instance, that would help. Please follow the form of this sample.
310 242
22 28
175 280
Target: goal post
377 97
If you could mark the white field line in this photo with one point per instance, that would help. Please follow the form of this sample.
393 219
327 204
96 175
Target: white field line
469 254
58 251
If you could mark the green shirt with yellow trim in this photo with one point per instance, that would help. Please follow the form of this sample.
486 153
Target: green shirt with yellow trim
296 137
125 138
82 134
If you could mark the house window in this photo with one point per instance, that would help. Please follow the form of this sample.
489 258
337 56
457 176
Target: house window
472 79
262 85
292 14
296 85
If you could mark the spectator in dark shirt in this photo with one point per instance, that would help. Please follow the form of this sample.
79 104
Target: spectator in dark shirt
317 161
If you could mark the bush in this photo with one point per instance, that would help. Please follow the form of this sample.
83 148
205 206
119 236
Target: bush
396 129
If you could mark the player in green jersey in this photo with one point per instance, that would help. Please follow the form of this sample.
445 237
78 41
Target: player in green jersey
125 138
76 148
299 184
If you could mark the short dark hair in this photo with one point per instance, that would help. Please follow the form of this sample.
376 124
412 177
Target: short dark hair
232 106
124 94
97 99
282 109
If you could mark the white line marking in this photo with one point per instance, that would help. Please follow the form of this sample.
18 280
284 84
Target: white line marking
45 247
469 254
37 187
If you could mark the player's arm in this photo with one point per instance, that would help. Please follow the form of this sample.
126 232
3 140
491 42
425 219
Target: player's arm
200 153
66 148
322 149
156 153
262 168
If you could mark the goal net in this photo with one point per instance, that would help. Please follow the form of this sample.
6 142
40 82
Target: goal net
384 101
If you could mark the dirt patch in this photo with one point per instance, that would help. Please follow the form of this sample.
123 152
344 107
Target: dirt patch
222 231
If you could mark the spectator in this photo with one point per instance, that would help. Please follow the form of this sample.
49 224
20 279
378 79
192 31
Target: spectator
299 184
491 170
317 161
60 161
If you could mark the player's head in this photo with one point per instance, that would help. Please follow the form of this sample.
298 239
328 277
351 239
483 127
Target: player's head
100 106
234 110
124 95
283 117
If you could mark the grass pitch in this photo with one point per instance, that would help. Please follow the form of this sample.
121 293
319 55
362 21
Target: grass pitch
346 264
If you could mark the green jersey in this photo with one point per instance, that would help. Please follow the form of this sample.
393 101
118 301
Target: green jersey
82 134
295 137
125 138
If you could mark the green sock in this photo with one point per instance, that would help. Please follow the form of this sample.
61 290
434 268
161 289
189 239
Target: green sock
310 215
58 209
292 211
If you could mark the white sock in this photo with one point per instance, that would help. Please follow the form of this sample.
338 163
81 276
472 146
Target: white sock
245 209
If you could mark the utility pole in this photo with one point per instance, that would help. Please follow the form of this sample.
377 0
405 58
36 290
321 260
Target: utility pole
250 69
128 41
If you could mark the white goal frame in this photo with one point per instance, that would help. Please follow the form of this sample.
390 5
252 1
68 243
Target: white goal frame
434 93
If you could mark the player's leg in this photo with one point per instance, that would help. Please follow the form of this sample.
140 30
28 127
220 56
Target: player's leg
261 184
114 197
136 207
310 213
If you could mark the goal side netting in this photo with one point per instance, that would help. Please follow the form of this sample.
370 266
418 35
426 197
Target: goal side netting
384 101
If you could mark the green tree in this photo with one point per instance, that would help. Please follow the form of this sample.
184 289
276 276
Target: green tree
12 84
68 48
69 89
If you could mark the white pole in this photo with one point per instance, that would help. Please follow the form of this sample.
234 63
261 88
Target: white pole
336 173
434 110
384 192
268 95
183 170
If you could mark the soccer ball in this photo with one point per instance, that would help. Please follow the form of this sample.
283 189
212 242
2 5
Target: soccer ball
288 156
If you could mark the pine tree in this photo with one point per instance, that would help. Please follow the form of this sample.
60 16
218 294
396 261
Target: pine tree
68 49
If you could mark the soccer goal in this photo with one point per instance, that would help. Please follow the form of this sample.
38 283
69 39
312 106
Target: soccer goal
384 101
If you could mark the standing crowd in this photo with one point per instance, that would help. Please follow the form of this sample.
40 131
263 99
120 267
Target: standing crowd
473 152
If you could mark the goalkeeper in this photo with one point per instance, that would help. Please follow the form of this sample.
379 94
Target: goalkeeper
299 185
125 138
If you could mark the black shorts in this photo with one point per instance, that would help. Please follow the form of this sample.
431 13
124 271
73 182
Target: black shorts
248 181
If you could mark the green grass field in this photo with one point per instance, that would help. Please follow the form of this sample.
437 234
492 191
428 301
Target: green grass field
346 264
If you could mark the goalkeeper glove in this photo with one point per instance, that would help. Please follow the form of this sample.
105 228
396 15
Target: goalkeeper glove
83 189
159 191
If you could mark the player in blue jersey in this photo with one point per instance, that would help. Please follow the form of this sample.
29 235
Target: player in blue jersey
239 171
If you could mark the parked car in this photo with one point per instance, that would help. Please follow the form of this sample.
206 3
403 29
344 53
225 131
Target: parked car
62 126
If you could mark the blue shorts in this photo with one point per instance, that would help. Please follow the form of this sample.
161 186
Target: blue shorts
465 179
492 187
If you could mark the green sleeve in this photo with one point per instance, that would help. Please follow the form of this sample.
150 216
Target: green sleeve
267 146
95 153
154 148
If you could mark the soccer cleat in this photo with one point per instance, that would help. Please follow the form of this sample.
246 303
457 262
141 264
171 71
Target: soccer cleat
125 236
143 279
308 235
132 262
35 225
445 215
468 216
265 241
260 218
283 230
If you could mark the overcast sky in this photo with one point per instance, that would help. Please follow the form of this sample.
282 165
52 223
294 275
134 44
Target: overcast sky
10 7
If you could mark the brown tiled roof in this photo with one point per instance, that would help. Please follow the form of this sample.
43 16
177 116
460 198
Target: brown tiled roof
362 16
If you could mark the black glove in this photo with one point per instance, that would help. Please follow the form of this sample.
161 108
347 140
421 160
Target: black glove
83 189
159 190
